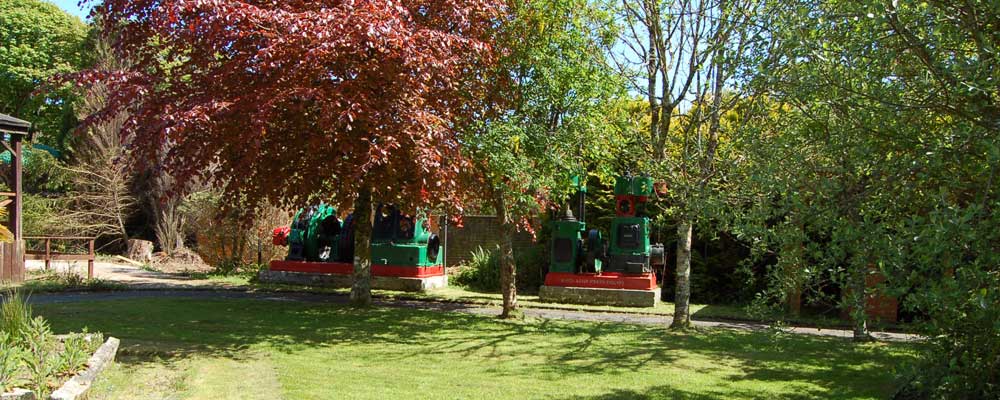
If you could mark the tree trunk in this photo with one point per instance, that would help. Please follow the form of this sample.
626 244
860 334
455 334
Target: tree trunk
361 289
859 309
682 295
508 272
139 250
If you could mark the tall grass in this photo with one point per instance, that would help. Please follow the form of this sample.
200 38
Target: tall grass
15 316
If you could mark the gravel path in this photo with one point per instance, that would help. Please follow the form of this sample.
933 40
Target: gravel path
132 276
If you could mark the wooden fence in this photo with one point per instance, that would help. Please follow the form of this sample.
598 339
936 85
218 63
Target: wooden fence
12 262
46 254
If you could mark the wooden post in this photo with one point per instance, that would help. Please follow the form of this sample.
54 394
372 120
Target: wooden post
90 261
16 171
48 255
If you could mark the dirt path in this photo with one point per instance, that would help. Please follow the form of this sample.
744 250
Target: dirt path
132 276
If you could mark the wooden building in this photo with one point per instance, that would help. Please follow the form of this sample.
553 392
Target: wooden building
13 132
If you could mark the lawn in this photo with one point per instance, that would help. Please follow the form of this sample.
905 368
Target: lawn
208 349
530 300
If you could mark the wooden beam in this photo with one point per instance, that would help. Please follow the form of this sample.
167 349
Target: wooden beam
7 146
15 209
60 237
57 257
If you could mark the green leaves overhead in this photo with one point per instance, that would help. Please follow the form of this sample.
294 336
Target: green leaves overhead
38 41
560 114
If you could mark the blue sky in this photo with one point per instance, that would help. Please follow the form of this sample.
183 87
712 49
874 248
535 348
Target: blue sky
71 7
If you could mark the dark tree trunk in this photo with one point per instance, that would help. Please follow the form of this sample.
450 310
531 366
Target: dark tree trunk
361 289
859 307
508 277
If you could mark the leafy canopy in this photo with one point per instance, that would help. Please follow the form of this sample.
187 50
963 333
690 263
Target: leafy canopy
556 117
38 41
293 100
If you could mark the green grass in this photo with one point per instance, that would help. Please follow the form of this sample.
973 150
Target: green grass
458 294
208 349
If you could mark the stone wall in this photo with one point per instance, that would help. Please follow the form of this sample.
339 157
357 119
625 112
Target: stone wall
476 231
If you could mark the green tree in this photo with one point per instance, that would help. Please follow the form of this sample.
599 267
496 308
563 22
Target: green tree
683 55
879 155
38 41
555 118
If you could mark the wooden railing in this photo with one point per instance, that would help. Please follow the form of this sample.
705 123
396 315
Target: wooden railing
48 255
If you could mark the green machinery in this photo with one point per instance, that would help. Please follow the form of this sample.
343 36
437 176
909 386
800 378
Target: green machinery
629 251
318 235
574 248
315 235
402 240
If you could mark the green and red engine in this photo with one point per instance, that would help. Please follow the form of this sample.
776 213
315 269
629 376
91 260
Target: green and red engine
320 242
582 258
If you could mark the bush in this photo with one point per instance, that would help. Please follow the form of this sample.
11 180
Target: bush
236 267
231 237
29 352
15 317
10 363
483 271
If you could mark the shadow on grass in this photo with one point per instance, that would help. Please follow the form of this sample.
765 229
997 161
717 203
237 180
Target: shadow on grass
169 330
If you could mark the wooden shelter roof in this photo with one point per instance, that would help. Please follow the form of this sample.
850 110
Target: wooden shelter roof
13 125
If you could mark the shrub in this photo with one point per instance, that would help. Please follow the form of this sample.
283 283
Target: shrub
29 352
10 363
234 234
483 271
15 317
236 267
39 358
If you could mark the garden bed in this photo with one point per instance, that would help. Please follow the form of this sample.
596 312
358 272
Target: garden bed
36 364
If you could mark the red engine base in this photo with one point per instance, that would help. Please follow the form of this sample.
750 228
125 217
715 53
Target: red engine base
606 280
341 268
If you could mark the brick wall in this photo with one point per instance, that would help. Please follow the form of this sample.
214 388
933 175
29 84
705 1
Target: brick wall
476 231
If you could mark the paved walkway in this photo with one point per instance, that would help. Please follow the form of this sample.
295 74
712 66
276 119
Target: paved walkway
152 284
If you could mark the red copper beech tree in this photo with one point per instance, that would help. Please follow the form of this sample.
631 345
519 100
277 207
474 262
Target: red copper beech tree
293 101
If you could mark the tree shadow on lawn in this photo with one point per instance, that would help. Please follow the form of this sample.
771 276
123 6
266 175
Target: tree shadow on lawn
170 330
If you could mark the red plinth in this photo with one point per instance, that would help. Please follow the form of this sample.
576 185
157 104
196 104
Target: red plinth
606 280
400 271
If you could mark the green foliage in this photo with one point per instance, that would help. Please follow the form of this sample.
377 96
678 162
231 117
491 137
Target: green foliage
31 354
874 152
558 117
10 362
41 214
40 40
236 267
483 271
69 281
39 360
44 173
15 316
77 349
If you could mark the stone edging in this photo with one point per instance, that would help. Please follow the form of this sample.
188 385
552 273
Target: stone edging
82 381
